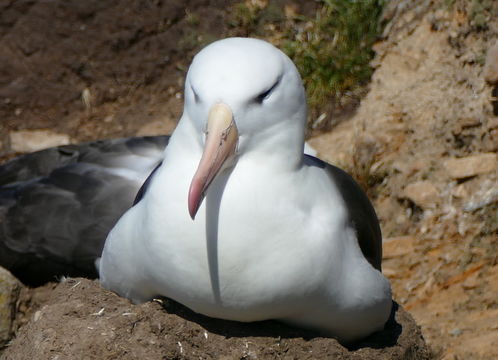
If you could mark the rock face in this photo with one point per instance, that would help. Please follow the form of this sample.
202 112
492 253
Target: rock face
471 165
9 293
84 321
491 65
24 141
422 193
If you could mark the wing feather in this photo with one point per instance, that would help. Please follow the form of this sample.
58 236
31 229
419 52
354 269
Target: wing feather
361 212
57 205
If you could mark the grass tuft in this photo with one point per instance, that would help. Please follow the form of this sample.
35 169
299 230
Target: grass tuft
334 50
332 46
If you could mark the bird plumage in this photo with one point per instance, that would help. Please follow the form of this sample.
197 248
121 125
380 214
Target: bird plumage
58 205
272 233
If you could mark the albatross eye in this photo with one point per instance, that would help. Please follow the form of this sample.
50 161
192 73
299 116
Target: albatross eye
266 94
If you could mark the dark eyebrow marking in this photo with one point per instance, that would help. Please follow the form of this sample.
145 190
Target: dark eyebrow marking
196 97
262 96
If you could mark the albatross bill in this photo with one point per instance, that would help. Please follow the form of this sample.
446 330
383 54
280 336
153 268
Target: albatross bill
237 223
221 143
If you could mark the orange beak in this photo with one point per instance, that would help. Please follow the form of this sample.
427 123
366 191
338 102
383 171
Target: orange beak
221 142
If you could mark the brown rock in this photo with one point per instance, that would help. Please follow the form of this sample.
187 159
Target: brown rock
84 321
9 293
397 246
460 191
156 128
491 65
389 272
471 166
410 168
422 193
25 141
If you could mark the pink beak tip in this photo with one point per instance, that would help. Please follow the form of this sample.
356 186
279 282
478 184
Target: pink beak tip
192 212
194 198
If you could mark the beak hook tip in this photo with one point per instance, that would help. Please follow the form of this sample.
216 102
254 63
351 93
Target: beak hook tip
192 213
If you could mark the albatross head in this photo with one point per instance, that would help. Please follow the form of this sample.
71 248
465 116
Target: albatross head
242 95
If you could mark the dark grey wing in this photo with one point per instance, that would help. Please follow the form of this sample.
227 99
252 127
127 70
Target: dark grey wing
361 212
57 205
143 189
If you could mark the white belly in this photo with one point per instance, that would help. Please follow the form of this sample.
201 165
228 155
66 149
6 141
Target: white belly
247 261
226 263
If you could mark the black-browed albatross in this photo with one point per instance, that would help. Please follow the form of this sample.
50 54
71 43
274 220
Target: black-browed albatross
237 223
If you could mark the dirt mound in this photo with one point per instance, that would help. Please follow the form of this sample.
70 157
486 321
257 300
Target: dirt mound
82 320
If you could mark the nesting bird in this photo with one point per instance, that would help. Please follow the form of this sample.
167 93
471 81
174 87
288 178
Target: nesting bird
237 222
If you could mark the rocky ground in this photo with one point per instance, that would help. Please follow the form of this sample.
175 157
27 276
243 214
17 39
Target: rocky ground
78 319
423 141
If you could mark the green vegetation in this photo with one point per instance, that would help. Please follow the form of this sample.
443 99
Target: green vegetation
480 13
255 19
333 54
331 48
